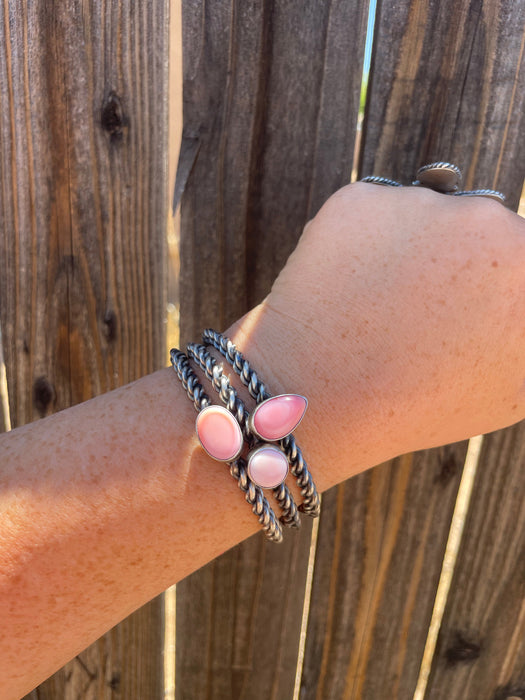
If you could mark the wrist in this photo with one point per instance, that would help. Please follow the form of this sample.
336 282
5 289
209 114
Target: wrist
341 433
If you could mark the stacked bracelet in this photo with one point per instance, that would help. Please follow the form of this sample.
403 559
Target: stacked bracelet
253 493
225 432
228 395
311 503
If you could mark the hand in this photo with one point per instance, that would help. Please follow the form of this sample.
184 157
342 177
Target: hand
401 316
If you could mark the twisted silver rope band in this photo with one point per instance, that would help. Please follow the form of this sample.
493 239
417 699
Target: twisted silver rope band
378 180
440 165
481 193
252 493
311 502
221 383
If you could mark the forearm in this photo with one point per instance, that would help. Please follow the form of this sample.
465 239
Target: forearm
108 503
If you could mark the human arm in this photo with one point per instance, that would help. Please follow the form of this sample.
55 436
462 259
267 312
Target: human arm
393 320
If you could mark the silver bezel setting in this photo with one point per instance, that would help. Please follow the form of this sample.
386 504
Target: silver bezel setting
252 453
224 410
448 177
251 425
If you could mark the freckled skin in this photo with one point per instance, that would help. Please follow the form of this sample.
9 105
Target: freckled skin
416 321
390 317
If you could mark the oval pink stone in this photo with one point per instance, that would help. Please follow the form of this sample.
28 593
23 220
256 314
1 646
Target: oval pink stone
278 416
219 433
267 466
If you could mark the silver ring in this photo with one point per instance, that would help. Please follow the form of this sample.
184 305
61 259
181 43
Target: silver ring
442 177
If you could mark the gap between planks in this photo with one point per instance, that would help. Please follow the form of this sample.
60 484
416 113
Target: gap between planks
306 606
172 311
5 415
449 561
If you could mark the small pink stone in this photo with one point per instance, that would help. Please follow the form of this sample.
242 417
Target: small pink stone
267 466
278 416
219 433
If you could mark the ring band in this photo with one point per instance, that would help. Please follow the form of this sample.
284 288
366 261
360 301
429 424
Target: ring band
441 177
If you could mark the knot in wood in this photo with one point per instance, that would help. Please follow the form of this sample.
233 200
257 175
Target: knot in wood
509 692
114 682
463 650
109 327
43 395
112 118
447 469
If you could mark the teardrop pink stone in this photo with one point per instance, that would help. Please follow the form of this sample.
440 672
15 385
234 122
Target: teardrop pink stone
278 416
219 433
267 466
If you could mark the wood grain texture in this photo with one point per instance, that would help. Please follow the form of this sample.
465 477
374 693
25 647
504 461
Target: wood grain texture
239 621
379 555
448 83
271 95
374 587
481 647
82 229
124 663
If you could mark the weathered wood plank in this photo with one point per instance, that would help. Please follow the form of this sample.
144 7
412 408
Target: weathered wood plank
124 663
271 96
448 84
368 624
82 225
481 646
271 93
381 544
239 621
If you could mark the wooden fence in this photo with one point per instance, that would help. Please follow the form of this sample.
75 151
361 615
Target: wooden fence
271 100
